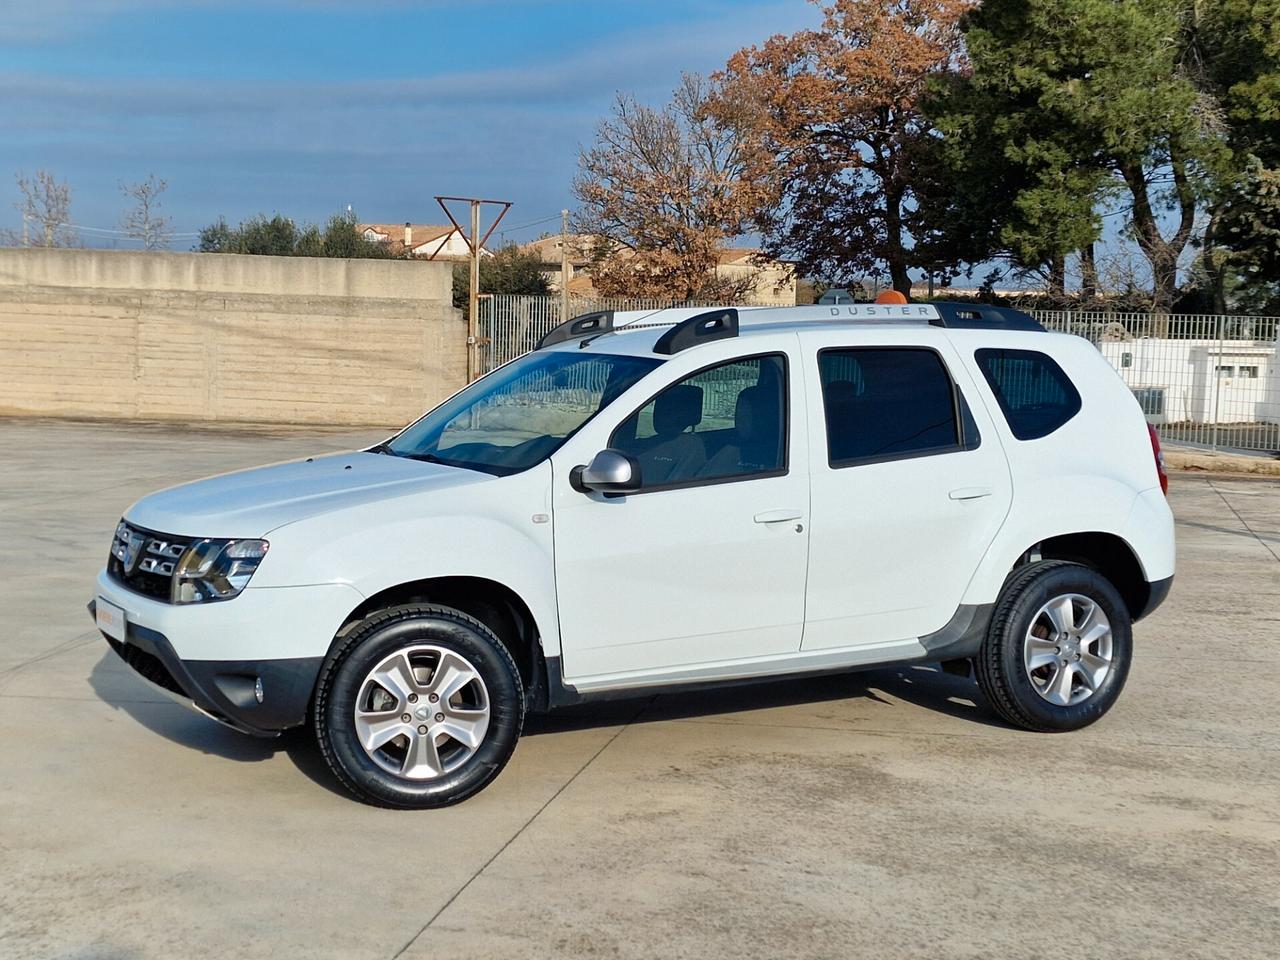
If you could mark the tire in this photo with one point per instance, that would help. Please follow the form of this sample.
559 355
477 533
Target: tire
1042 678
391 666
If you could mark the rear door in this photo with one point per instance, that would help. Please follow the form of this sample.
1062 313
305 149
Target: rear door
909 486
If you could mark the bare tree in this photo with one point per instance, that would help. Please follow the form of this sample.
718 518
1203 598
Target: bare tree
661 191
143 221
46 210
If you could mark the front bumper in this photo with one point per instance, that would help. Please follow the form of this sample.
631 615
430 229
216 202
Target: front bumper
279 638
225 690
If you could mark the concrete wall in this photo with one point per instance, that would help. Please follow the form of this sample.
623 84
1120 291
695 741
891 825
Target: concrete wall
185 336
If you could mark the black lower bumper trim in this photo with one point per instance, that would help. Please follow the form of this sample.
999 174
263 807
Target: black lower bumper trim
1157 593
225 689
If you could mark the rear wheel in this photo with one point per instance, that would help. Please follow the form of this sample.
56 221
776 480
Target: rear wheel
1058 650
420 706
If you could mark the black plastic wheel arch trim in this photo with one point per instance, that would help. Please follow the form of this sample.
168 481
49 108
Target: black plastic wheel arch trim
963 634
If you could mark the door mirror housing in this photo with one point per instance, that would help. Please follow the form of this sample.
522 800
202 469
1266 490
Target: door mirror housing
610 471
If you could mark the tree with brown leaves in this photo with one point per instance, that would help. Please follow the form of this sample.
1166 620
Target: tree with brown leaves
840 142
662 190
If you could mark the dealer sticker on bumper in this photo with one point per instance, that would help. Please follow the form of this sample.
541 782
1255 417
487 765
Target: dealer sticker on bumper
111 619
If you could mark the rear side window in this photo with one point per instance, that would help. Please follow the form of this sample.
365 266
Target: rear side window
886 404
1035 394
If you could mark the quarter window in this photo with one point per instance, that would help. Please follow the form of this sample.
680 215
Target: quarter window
723 423
884 404
1034 393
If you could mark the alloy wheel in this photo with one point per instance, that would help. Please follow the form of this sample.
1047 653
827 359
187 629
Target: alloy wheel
422 712
1068 649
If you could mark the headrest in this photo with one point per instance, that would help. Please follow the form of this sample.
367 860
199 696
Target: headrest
676 409
756 412
841 391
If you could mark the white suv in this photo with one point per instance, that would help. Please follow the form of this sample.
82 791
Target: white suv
663 500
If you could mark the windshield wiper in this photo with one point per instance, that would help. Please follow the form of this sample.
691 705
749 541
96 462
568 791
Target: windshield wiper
385 448
425 458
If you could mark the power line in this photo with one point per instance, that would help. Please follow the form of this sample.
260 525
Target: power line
532 223
120 233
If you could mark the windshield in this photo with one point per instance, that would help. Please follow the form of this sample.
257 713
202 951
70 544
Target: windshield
521 413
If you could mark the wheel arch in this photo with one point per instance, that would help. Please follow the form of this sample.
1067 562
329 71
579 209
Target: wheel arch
1107 553
496 605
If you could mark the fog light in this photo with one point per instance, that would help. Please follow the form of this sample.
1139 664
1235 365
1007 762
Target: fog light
257 689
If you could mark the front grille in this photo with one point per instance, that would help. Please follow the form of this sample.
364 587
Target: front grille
144 560
149 666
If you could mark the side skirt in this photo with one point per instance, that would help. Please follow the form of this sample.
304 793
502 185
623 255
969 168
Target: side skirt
960 639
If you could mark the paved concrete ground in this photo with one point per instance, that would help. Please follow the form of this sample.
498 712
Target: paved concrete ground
885 814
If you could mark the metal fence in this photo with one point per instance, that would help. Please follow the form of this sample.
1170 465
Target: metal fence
1204 380
510 326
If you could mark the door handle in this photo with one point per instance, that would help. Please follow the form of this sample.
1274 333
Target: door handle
779 516
971 493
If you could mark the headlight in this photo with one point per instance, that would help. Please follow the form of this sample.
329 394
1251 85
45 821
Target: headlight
216 569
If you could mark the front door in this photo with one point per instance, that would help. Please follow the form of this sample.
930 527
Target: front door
706 564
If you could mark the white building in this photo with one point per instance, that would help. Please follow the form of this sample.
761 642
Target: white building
424 240
1200 381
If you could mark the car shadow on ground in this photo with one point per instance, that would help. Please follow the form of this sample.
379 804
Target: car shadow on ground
925 687
116 685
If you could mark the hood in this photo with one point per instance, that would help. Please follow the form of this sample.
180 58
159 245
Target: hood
252 503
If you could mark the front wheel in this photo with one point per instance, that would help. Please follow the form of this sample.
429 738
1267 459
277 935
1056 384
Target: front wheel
1057 652
419 706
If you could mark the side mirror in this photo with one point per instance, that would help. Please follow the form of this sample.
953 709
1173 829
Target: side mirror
608 472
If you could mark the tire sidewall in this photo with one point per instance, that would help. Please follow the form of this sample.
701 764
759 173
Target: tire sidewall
1065 579
365 649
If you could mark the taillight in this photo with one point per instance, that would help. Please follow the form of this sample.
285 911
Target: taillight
1156 452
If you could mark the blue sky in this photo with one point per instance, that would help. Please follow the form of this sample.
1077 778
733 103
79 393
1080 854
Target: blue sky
304 106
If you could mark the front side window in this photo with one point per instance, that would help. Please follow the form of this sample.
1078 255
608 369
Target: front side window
885 404
1034 393
724 423
521 413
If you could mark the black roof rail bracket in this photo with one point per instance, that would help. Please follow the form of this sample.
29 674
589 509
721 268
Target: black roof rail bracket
702 328
576 328
981 316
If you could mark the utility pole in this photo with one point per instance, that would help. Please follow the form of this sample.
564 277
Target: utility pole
473 305
475 245
564 265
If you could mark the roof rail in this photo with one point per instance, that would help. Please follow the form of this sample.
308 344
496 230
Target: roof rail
981 316
719 324
723 323
578 328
